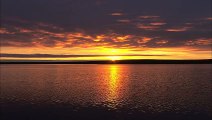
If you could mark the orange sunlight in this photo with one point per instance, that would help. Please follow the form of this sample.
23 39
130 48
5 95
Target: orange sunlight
108 53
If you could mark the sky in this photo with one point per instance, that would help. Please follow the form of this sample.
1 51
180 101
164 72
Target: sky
105 29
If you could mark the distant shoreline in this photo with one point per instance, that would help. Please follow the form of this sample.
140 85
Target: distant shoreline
207 61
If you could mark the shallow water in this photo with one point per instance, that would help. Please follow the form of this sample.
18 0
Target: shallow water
121 91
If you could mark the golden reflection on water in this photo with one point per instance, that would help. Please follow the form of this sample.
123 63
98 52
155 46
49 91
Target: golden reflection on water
114 84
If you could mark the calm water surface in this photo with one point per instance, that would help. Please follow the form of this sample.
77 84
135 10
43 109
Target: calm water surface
120 89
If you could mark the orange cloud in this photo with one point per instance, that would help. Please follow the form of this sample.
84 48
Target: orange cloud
99 38
178 29
199 42
144 40
5 31
121 38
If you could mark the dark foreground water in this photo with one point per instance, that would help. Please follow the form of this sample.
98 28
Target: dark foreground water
106 92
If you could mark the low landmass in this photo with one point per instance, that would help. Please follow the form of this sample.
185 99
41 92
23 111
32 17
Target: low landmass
204 61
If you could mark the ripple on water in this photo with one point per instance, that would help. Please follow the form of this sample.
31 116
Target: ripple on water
143 88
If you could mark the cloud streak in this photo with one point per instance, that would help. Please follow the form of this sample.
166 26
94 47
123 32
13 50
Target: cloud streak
66 56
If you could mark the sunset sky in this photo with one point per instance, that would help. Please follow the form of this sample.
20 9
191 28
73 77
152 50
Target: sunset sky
105 29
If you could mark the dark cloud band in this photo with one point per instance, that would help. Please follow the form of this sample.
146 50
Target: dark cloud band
64 56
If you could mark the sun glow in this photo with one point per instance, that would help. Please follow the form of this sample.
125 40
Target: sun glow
114 58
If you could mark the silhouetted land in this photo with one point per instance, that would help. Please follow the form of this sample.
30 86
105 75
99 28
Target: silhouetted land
205 61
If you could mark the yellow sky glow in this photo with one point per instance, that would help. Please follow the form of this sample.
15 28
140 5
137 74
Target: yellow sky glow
113 53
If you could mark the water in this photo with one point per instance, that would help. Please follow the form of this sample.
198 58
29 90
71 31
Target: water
106 91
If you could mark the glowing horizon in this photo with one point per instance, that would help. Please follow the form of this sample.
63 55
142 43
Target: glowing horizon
105 54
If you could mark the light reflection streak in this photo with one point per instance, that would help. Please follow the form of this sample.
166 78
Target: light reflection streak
113 86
